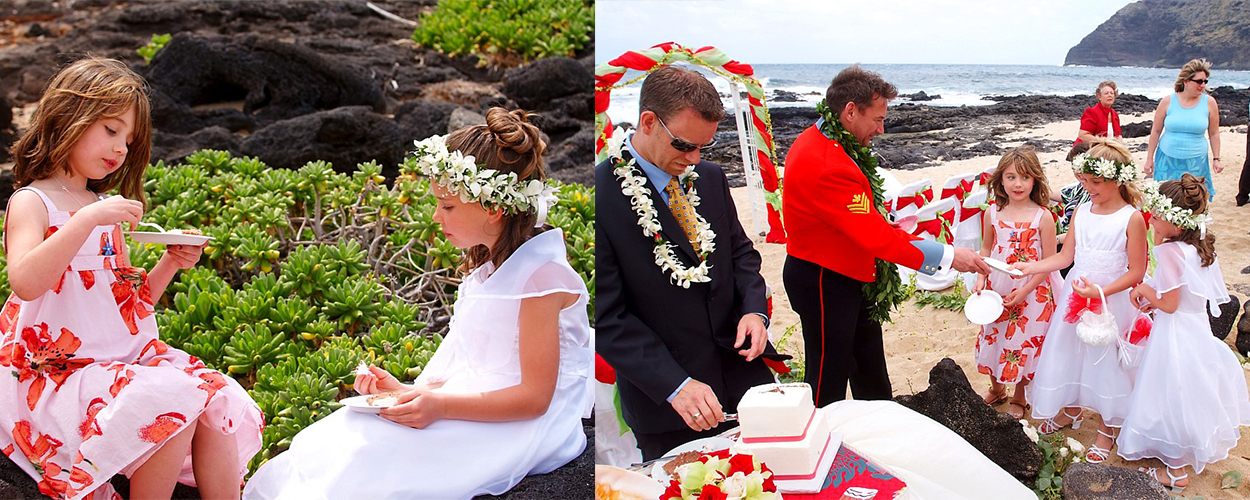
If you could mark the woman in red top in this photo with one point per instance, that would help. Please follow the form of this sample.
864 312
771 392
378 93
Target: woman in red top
1094 123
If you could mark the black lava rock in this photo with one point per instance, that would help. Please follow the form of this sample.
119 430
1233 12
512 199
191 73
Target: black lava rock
1085 481
273 79
1220 326
535 85
344 137
565 482
1137 129
951 401
1243 331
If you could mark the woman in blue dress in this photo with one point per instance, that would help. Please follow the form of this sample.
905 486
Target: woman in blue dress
1177 145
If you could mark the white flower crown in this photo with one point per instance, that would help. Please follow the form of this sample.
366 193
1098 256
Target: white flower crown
1161 207
459 174
1122 173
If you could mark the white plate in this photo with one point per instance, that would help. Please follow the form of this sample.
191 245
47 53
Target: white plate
361 404
983 308
702 445
1003 266
628 484
168 238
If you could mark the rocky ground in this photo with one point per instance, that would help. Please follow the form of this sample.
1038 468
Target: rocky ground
290 81
919 135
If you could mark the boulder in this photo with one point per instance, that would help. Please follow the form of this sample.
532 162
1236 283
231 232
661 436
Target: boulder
274 80
1243 331
1222 324
6 187
920 96
534 86
1086 481
461 118
420 119
174 147
565 482
344 137
1136 129
951 401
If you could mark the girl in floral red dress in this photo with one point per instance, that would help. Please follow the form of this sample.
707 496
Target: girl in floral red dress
1016 229
93 391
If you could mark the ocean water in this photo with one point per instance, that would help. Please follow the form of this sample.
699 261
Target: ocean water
957 84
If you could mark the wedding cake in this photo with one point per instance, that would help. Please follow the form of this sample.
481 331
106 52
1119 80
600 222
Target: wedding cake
782 428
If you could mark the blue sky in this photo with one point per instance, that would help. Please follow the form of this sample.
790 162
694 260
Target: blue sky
873 31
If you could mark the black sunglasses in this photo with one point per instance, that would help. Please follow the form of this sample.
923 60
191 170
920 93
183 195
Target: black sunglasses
682 145
1199 82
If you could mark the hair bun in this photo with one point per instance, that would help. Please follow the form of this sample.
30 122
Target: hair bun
513 131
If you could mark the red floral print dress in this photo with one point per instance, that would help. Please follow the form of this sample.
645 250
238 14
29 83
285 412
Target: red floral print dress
1007 349
88 390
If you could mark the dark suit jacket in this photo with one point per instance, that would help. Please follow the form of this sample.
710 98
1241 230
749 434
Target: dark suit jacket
655 333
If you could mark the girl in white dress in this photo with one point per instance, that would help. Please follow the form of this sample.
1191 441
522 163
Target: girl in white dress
1107 242
1192 396
504 395
87 388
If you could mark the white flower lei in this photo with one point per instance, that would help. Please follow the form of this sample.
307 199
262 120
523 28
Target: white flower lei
459 174
1161 206
1122 173
635 186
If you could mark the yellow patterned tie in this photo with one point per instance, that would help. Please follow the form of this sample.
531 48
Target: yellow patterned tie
680 206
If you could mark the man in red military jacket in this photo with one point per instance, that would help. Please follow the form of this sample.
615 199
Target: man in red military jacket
837 234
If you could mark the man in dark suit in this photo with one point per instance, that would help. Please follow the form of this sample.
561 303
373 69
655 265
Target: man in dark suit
680 311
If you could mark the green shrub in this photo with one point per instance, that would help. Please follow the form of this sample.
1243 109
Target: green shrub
507 32
149 51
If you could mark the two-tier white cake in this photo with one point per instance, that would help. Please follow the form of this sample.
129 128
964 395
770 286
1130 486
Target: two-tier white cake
782 428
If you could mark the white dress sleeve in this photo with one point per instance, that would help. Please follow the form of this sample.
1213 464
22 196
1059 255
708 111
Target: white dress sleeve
1178 265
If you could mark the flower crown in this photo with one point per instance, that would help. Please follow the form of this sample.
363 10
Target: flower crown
459 174
1161 206
1122 173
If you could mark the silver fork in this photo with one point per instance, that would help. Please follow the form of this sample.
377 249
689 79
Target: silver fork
153 226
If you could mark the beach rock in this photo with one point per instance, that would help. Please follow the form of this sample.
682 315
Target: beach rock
174 147
919 96
1085 481
7 134
785 96
564 158
6 186
420 119
1136 129
344 137
536 84
1243 331
1223 324
461 117
951 401
14 483
565 482
275 80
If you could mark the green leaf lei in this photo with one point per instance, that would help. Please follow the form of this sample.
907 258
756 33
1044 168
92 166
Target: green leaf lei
886 292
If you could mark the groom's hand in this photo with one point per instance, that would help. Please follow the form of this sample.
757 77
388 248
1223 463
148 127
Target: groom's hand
968 261
698 406
751 325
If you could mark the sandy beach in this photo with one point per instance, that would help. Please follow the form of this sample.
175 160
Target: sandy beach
919 338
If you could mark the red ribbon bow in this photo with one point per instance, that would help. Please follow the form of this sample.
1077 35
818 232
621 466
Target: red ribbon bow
939 226
959 192
918 199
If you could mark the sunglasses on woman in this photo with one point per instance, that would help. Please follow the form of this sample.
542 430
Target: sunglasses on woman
1199 82
682 145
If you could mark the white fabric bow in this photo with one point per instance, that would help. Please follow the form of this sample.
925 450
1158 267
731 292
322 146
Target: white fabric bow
1203 220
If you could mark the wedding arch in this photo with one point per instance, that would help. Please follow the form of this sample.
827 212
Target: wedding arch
758 154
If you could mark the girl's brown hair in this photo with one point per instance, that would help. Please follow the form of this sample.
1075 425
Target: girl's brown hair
1102 147
1191 192
507 143
1026 162
79 95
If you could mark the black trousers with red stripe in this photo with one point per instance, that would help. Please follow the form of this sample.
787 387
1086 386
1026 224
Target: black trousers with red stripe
840 343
